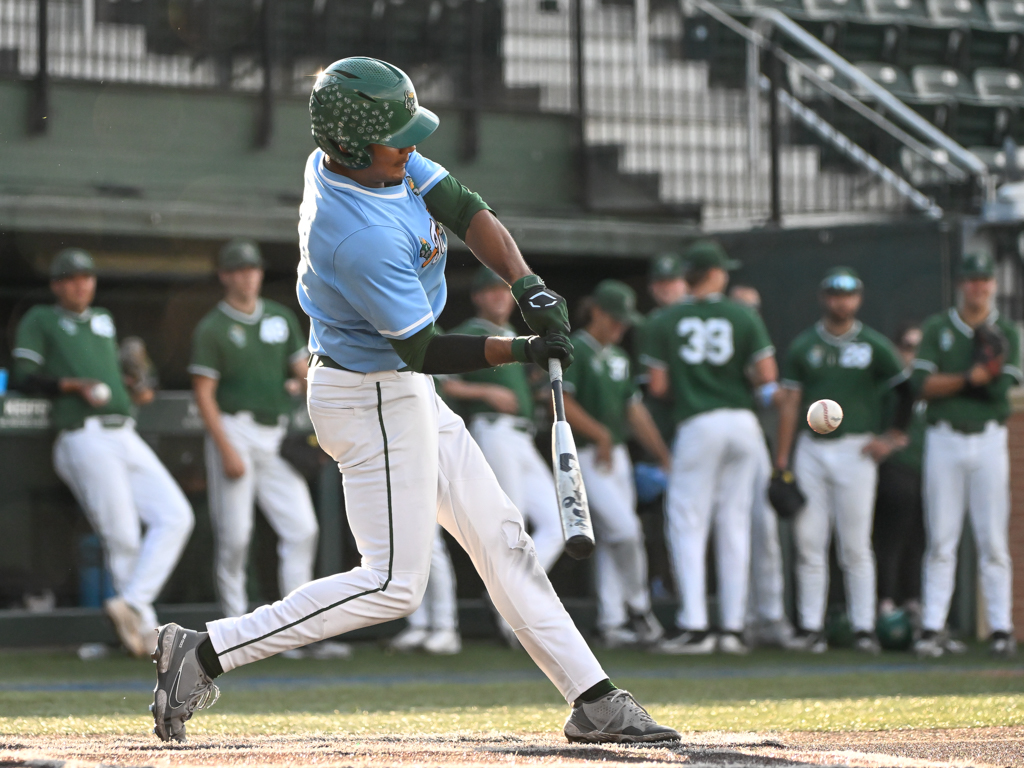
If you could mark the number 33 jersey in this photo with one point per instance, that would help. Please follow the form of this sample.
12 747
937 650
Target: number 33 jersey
855 369
706 345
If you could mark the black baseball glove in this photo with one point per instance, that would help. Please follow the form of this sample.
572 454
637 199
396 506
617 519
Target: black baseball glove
990 347
543 310
785 495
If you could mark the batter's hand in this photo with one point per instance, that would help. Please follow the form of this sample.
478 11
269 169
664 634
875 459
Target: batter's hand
538 349
543 310
232 463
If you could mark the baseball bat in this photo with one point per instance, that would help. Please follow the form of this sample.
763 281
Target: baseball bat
572 496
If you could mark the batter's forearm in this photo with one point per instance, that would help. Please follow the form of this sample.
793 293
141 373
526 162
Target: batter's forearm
493 245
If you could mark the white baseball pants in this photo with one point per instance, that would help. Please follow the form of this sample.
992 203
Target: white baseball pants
715 461
122 486
525 478
620 559
282 494
840 483
967 473
767 583
408 463
439 609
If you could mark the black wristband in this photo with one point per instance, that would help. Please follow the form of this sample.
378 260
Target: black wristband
455 353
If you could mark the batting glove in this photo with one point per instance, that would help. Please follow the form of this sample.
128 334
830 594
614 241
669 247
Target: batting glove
543 310
539 349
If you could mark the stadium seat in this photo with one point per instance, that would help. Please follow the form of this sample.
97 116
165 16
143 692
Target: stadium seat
956 109
996 160
994 48
789 7
893 79
806 89
1006 14
933 83
957 12
999 85
862 41
932 44
900 11
834 8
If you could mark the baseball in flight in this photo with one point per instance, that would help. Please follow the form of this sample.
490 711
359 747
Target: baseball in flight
824 416
100 393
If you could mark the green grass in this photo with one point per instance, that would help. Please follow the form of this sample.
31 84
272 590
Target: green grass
765 691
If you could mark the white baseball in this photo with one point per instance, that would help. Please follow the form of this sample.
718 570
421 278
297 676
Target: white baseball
824 416
100 393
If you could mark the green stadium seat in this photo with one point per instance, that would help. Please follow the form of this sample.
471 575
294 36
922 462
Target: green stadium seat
956 108
941 83
1006 14
999 85
892 78
930 44
860 41
996 160
834 8
994 48
957 12
789 7
806 89
898 11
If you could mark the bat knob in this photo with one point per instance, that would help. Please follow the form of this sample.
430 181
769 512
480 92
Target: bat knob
579 547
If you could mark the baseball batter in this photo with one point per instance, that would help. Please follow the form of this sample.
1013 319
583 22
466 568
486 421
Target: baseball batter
371 278
69 352
839 358
603 405
709 352
968 359
248 358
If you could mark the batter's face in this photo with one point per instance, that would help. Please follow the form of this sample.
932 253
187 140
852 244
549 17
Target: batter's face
670 291
386 169
494 303
243 284
842 307
74 293
978 293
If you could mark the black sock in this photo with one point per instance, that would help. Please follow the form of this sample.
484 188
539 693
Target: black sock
595 692
208 658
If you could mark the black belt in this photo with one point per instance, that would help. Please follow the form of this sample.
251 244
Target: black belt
323 361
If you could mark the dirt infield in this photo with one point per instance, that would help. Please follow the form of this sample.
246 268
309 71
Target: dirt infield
981 747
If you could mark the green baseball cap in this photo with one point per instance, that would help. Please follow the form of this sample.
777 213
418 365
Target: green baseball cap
841 280
618 300
665 266
976 265
239 254
71 262
483 279
705 254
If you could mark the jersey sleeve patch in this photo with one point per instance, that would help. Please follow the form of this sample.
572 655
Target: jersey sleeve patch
424 173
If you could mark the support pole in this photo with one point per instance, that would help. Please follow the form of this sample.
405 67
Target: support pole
580 85
774 75
265 118
39 102
475 82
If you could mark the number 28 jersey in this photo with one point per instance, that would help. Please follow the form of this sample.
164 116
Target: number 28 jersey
706 345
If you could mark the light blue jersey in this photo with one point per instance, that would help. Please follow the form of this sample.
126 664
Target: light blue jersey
372 263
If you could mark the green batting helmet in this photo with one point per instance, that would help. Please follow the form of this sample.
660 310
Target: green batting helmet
895 632
359 101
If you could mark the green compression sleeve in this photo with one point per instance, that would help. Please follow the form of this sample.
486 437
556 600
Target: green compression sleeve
429 351
453 205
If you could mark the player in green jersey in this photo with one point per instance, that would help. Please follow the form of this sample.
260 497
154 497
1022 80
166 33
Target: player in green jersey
841 359
710 353
604 406
248 360
966 459
68 352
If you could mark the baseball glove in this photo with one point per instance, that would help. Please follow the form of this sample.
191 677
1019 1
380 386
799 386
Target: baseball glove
138 369
785 495
990 347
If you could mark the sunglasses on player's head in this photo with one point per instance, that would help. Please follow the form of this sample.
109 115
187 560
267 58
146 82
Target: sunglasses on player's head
841 284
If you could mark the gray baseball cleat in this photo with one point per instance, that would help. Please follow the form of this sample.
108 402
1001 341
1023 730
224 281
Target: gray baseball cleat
615 717
182 685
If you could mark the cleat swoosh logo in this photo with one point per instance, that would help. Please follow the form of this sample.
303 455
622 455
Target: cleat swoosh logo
173 699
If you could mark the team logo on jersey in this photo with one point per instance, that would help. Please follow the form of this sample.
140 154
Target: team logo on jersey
102 325
436 248
946 340
236 334
856 355
618 368
815 356
70 326
273 330
410 102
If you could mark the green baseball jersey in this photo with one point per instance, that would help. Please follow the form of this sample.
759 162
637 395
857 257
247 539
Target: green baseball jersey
250 356
512 376
660 408
601 382
707 345
54 342
856 370
947 346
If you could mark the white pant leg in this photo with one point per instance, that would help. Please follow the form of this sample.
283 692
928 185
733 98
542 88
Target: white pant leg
945 502
692 485
767 583
381 428
622 567
812 529
855 480
989 504
473 508
734 498
231 517
283 495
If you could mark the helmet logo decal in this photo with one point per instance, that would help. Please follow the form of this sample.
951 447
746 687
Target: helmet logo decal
410 102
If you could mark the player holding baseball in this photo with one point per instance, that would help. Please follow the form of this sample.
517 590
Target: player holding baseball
68 352
838 358
498 406
709 352
968 359
248 358
603 406
371 279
